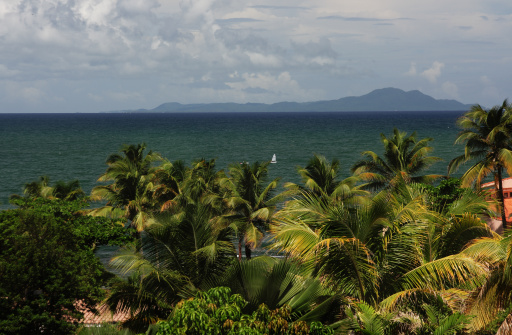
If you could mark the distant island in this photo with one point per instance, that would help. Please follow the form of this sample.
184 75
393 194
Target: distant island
380 100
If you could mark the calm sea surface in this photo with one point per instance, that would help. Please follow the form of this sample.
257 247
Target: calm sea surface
75 146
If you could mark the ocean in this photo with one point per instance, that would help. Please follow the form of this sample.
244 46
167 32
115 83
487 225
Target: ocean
75 146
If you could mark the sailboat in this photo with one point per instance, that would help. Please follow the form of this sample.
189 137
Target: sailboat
274 160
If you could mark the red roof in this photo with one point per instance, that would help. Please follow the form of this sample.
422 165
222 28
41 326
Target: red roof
104 315
507 183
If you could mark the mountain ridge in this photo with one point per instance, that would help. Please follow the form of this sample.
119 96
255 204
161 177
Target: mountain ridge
379 100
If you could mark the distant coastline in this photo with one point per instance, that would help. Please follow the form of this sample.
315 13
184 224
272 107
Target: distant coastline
380 100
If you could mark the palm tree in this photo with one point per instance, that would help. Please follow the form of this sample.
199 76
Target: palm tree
169 178
202 182
68 190
494 295
276 282
321 178
364 319
131 190
404 158
486 134
249 203
177 254
339 241
61 190
382 250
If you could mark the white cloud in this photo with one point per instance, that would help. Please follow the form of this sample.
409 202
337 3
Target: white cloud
264 60
320 49
433 72
281 85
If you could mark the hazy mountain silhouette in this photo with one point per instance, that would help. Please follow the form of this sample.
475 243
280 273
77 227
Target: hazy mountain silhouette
385 99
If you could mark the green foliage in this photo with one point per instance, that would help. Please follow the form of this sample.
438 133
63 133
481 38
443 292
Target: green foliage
47 265
174 256
364 319
250 203
105 329
439 320
276 282
444 194
322 179
130 192
61 190
385 258
217 311
88 230
486 135
404 159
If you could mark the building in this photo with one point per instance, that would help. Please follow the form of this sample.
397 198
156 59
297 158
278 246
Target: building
495 223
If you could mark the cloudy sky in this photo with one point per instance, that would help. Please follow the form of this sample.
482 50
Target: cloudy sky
98 55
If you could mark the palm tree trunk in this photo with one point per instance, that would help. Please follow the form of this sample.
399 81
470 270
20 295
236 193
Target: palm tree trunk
240 241
501 198
248 251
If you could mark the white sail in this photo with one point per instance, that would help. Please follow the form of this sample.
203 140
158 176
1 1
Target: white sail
274 160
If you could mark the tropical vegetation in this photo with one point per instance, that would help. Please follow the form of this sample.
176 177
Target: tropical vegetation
404 159
486 134
47 265
386 249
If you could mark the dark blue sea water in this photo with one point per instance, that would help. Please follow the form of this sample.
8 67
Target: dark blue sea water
75 146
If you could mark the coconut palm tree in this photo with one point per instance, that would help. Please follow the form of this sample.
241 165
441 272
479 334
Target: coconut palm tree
378 251
404 158
321 178
202 182
61 190
169 178
339 241
177 254
487 138
494 295
130 193
249 203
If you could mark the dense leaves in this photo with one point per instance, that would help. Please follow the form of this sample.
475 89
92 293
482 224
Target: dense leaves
404 158
217 311
409 258
487 138
88 231
45 269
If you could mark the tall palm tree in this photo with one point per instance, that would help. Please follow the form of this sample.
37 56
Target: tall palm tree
250 203
487 138
404 158
130 193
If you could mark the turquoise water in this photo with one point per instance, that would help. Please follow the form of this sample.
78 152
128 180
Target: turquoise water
75 146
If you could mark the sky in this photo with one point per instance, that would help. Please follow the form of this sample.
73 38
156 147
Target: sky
102 55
